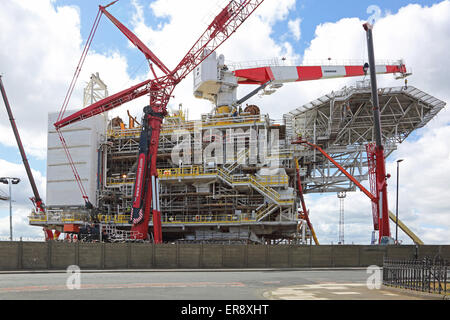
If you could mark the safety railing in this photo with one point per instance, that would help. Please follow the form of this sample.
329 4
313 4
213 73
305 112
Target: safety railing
223 218
278 62
261 184
184 172
58 216
263 212
215 120
118 219
426 275
172 173
118 180
121 133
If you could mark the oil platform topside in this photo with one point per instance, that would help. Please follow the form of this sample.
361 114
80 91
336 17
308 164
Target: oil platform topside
231 175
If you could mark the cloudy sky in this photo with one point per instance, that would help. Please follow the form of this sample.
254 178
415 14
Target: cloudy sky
41 42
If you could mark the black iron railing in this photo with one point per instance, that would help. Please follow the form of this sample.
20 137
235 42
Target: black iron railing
426 275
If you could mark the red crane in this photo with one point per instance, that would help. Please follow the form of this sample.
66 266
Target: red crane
146 195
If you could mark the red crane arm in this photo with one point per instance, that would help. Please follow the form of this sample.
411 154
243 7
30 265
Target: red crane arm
348 175
106 104
135 40
369 194
222 27
305 73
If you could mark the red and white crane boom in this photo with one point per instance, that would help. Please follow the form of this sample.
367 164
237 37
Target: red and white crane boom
285 74
217 82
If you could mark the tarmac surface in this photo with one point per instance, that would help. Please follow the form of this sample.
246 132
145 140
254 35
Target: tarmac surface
256 284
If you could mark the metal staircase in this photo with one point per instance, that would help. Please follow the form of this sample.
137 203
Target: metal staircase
250 180
265 211
242 154
116 235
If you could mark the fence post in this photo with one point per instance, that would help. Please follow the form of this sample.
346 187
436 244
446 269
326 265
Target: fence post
177 254
49 254
20 255
246 255
153 255
102 261
128 255
223 255
77 253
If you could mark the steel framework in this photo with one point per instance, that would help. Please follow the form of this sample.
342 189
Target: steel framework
342 124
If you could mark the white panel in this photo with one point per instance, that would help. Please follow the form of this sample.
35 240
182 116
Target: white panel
333 71
82 140
58 156
64 194
64 172
380 69
285 74
73 138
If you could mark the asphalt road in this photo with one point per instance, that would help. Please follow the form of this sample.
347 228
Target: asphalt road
195 285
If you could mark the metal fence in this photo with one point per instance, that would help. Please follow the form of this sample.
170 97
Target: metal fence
426 275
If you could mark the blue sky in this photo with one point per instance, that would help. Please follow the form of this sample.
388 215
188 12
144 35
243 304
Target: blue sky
108 38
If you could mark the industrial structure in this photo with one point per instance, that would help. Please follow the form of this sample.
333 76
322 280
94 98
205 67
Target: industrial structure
237 200
235 175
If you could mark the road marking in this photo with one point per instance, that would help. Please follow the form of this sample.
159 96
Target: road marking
125 286
390 294
314 291
345 292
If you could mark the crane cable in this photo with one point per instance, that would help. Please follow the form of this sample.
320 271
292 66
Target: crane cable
67 99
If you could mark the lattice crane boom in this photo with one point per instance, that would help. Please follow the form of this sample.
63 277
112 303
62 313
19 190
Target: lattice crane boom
222 27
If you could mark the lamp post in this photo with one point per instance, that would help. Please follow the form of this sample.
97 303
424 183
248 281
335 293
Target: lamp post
9 181
396 207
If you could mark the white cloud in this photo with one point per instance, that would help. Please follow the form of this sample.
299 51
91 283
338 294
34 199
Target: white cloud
41 45
294 28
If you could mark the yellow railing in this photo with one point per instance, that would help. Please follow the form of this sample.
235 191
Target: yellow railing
113 181
184 172
37 217
121 218
169 173
125 218
119 133
188 125
224 218
63 217
264 210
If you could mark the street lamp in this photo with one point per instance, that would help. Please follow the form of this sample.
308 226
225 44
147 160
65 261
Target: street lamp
396 207
9 181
